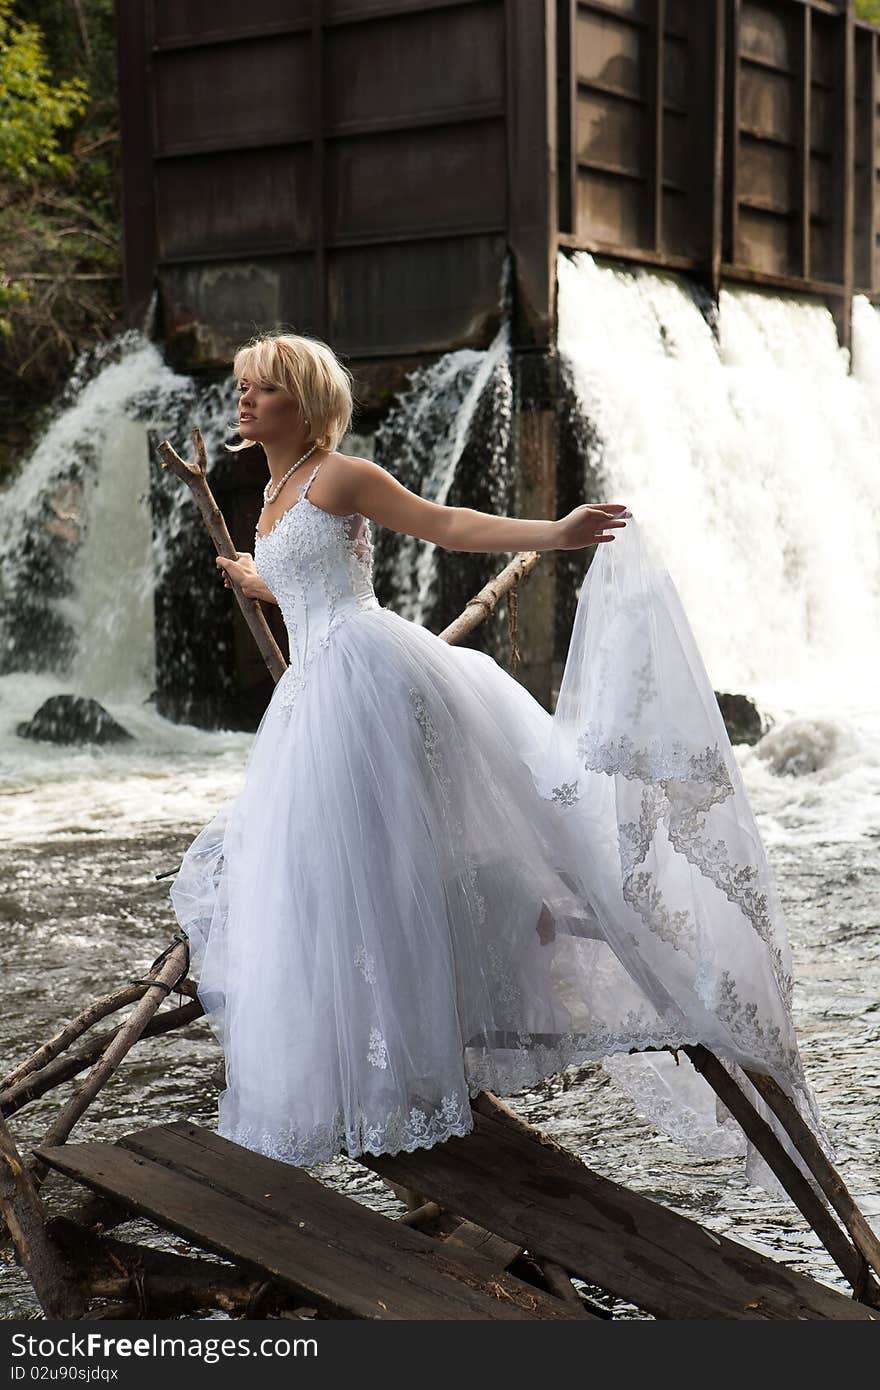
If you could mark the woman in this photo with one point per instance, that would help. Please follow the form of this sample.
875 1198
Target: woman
428 886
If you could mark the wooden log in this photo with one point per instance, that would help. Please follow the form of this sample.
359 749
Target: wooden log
823 1170
166 978
64 1068
560 1283
849 1261
478 608
73 1030
469 1236
195 477
25 1218
420 1216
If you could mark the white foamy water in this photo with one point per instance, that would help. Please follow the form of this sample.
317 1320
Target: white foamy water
750 455
87 483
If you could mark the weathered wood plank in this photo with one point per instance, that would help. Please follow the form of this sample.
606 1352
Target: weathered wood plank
341 1257
601 1232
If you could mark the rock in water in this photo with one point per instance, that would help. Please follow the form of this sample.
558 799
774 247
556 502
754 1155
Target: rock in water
800 747
741 718
73 719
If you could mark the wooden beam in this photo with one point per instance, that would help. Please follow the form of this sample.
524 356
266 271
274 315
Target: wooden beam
566 105
718 37
805 144
533 211
655 161
849 1261
732 69
848 155
319 286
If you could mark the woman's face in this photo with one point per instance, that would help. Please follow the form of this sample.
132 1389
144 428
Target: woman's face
266 413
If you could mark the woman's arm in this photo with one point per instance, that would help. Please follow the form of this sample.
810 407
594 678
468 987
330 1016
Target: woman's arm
244 572
375 494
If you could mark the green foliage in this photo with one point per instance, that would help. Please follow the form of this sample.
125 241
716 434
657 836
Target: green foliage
60 236
869 10
32 110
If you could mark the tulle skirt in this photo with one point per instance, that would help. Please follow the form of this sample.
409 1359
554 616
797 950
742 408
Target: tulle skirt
429 886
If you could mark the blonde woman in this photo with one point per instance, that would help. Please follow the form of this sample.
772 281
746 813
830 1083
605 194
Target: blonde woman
430 886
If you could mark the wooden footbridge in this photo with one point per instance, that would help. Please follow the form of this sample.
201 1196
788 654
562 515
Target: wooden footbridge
529 1215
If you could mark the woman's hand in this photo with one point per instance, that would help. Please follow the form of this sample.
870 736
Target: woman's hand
590 525
244 572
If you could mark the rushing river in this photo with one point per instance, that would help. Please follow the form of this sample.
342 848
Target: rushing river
752 453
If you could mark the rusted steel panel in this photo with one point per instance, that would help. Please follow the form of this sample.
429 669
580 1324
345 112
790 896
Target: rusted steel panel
765 242
424 296
609 133
768 33
209 309
768 104
442 63
613 54
232 95
613 210
234 201
178 21
440 178
768 175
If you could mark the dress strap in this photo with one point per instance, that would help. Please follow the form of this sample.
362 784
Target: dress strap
310 479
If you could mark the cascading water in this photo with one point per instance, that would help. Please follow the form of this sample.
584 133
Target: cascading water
448 439
749 452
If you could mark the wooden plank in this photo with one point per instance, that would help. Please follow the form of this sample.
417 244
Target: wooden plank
336 1254
605 1234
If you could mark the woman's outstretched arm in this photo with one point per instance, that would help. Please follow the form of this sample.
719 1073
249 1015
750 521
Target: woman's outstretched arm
376 494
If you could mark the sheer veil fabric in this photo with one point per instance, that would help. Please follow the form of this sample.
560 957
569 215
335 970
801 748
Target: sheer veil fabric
428 885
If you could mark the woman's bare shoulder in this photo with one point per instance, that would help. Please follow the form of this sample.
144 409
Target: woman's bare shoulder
339 480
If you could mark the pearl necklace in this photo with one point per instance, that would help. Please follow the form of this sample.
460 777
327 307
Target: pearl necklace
270 493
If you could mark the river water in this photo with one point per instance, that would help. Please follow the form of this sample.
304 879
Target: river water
750 451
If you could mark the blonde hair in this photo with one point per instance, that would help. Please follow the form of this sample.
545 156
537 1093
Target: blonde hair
310 372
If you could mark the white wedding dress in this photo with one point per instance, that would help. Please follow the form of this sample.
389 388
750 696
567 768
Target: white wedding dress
430 886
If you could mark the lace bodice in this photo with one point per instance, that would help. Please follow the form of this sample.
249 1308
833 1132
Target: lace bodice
319 566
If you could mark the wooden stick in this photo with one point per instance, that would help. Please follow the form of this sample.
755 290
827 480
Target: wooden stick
559 1282
478 608
65 1068
195 477
78 1025
823 1170
167 976
25 1218
849 1261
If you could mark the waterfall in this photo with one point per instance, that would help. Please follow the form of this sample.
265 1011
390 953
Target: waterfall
748 450
448 439
76 572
